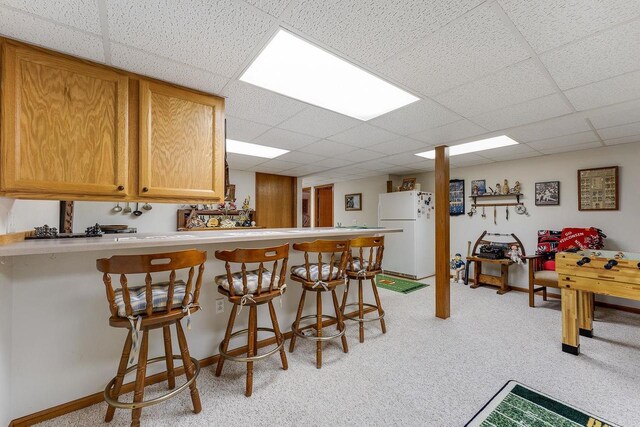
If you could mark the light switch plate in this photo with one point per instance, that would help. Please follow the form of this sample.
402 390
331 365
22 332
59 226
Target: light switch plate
219 305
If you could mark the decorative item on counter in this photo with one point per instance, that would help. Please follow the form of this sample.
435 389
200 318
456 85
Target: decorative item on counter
227 223
194 221
515 254
458 265
253 223
478 187
93 231
505 187
517 188
246 223
213 222
245 205
46 232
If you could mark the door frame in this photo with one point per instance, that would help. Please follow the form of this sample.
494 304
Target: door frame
316 204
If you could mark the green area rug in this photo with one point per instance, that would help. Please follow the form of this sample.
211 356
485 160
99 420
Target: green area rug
519 406
398 284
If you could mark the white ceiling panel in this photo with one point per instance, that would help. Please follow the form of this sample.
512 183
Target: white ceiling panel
416 117
565 140
451 132
617 89
304 170
242 162
569 148
300 157
319 122
517 156
151 65
80 14
512 85
560 126
403 159
258 105
595 58
527 112
512 150
281 138
620 131
468 48
272 7
624 140
275 166
399 145
362 155
619 115
364 135
244 130
551 23
377 164
468 160
217 36
38 31
335 162
326 147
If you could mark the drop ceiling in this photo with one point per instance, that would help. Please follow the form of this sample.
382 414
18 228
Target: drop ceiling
555 75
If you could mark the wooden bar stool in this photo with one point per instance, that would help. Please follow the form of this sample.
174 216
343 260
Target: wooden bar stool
320 277
252 288
362 268
142 308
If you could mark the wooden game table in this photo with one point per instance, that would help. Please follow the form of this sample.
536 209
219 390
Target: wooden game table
584 273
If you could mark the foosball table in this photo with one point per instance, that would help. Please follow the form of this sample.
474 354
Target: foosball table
585 273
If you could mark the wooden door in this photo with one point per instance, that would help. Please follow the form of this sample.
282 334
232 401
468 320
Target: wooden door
181 143
64 125
275 200
324 206
306 207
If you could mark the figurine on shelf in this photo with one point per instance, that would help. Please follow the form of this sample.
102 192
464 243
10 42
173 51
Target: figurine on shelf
194 221
245 204
517 187
505 187
498 189
457 264
515 254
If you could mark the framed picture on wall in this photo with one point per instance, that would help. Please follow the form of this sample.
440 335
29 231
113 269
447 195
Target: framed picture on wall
548 193
408 184
456 197
353 202
598 189
478 187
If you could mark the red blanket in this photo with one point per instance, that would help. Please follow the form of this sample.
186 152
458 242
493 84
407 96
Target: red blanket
581 238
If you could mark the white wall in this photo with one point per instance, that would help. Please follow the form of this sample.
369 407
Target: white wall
370 189
6 302
621 226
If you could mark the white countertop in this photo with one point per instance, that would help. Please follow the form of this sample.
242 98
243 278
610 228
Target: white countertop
177 238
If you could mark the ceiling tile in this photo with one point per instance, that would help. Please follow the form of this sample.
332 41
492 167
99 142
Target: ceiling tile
151 65
300 157
512 85
620 131
368 30
319 122
80 14
364 135
325 146
281 138
565 140
240 161
569 148
617 89
416 117
28 28
451 132
244 130
470 47
377 164
304 170
531 111
618 115
362 155
624 140
551 23
517 156
403 159
596 58
272 7
275 165
217 36
258 105
560 126
468 160
399 145
334 163
512 150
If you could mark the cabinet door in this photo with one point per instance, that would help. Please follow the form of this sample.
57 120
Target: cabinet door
181 143
64 125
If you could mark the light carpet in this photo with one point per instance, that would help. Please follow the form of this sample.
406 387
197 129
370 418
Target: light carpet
424 372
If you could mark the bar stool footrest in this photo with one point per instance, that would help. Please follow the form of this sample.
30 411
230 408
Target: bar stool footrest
365 319
252 358
135 405
300 334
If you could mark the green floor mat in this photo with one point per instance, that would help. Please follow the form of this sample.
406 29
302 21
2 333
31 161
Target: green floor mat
398 284
516 405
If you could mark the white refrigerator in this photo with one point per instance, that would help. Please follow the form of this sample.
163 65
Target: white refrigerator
412 252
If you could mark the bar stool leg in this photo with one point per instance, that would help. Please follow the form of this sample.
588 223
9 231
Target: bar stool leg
292 344
380 310
344 295
141 373
340 322
227 337
279 339
126 350
250 350
189 369
361 309
168 354
319 329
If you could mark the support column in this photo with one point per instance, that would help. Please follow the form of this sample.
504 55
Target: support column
443 304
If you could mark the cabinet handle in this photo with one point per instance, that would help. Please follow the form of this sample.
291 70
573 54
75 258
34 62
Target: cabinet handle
120 187
145 189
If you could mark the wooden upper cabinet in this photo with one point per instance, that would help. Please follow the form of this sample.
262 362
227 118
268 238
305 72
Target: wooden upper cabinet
64 125
181 143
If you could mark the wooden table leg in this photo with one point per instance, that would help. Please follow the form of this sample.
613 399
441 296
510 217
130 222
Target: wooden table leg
570 336
504 279
477 270
585 313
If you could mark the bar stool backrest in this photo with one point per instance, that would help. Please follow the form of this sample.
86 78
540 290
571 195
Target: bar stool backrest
152 263
276 254
328 248
375 246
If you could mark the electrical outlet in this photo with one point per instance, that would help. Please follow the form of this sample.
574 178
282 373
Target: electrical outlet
219 305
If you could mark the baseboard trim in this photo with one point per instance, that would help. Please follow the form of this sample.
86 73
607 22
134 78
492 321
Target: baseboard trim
84 402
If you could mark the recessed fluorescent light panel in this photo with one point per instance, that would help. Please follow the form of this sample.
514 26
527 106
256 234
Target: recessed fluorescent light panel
474 146
294 67
248 149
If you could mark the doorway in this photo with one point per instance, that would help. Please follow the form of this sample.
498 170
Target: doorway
324 206
306 207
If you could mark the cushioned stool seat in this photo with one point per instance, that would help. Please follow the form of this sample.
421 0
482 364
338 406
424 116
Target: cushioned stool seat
546 275
358 266
252 281
301 271
159 291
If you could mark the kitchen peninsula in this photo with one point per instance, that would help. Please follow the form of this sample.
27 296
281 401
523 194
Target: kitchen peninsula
61 346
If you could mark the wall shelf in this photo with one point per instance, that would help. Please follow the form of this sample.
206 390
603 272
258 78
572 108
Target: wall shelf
497 197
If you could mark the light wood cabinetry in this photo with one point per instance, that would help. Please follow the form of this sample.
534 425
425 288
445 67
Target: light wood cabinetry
181 143
64 125
75 130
